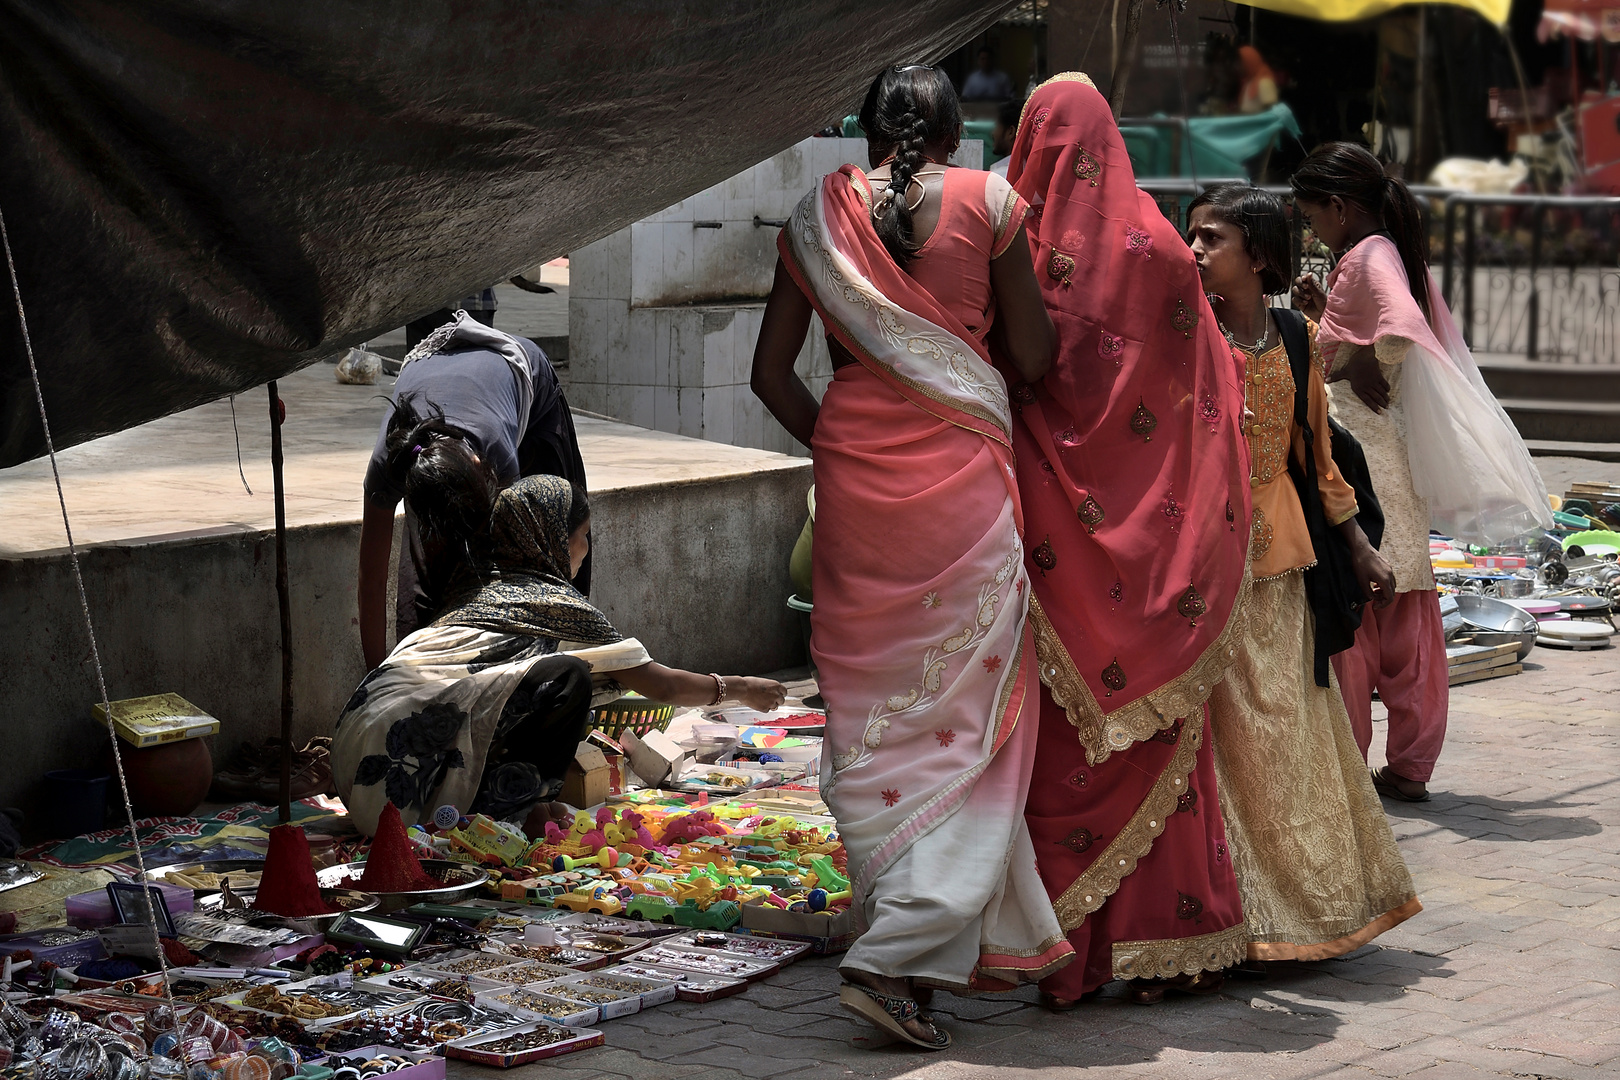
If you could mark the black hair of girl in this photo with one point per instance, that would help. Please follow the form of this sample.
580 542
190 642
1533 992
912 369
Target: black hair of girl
579 508
906 109
449 488
1262 219
1350 171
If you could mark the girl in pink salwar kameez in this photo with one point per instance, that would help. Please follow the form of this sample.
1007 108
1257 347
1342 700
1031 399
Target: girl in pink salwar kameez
1441 451
920 632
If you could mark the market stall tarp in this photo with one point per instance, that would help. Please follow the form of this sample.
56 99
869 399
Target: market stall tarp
1349 10
1222 144
202 196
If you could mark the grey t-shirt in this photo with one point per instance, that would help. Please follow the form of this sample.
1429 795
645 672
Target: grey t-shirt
477 389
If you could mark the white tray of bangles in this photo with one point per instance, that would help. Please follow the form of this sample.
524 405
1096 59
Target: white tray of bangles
648 991
773 950
689 985
706 961
522 1045
557 1010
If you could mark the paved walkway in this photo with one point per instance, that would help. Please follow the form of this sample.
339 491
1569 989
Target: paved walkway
1510 970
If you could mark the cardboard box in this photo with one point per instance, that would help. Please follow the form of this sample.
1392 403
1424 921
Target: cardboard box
654 756
827 932
161 718
586 782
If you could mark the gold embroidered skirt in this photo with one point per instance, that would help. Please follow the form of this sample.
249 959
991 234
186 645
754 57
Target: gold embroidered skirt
1316 861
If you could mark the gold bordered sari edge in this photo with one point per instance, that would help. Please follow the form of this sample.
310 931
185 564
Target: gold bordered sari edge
1169 957
1102 734
1118 861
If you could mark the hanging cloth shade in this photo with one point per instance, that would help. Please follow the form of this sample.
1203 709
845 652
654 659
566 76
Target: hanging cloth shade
1348 10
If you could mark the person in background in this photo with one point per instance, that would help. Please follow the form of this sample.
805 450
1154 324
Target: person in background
987 82
919 631
1003 134
497 394
481 306
485 708
1315 857
1130 465
1442 451
1259 89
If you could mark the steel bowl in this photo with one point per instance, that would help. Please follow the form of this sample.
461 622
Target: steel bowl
462 880
1495 622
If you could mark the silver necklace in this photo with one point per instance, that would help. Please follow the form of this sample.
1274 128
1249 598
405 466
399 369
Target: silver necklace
1265 334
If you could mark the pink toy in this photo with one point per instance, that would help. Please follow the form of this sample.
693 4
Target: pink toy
609 857
554 833
604 817
593 840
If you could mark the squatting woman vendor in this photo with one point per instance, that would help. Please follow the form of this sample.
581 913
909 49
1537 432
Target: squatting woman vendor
484 708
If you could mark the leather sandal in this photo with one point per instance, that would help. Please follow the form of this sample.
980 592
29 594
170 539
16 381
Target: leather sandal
890 1015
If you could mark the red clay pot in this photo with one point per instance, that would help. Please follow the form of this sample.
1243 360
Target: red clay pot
169 780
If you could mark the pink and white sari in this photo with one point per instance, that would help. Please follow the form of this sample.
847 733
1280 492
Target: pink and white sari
919 630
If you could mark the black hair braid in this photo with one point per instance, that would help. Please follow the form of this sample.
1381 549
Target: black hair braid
894 224
907 109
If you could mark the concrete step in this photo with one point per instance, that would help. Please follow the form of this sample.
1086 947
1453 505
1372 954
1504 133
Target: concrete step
1515 377
1566 420
1585 450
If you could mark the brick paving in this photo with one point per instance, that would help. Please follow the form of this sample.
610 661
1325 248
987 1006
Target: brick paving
1510 970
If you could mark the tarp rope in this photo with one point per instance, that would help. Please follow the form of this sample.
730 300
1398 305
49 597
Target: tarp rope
90 630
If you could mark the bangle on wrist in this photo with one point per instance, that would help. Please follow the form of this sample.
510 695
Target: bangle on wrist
719 688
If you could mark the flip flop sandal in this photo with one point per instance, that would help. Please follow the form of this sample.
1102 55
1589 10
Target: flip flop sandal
889 1015
1388 788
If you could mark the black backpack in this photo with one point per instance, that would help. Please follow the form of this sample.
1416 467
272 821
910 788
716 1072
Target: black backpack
1331 586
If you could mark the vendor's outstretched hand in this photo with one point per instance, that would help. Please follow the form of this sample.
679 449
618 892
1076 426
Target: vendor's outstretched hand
1309 298
761 695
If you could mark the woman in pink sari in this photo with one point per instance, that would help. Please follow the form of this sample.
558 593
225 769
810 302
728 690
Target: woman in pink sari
919 631
1132 468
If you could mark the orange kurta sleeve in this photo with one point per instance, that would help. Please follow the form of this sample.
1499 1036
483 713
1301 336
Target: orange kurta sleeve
1338 498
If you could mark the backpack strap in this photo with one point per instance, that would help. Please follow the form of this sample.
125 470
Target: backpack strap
1297 340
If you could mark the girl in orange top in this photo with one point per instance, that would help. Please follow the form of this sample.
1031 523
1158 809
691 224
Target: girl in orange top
1316 862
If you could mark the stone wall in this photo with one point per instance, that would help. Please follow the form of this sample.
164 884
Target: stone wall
697 569
663 315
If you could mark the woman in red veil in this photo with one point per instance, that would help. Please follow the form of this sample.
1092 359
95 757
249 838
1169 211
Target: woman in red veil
1131 466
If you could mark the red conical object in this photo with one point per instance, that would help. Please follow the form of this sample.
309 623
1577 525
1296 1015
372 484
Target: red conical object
392 867
288 885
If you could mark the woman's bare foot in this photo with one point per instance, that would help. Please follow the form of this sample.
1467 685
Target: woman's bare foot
894 988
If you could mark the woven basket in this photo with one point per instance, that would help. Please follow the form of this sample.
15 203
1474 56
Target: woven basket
631 713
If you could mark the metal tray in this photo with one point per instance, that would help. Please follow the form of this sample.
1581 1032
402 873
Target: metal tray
206 866
348 900
467 880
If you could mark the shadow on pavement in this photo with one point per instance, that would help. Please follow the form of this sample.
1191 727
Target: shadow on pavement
1482 817
1298 1007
